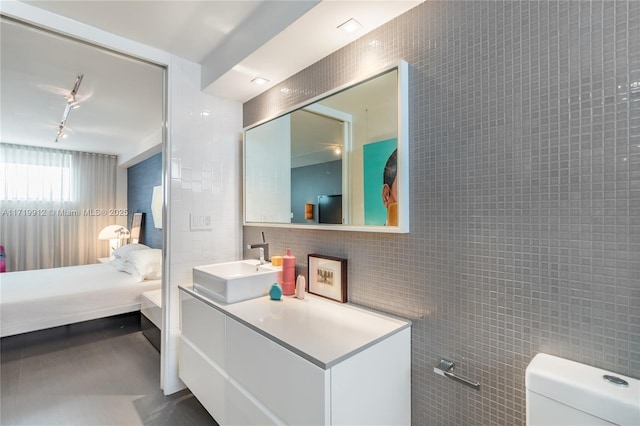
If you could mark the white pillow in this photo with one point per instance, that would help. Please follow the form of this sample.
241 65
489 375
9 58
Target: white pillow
117 262
144 264
124 251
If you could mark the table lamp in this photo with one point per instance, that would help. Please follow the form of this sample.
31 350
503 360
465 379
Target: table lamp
116 234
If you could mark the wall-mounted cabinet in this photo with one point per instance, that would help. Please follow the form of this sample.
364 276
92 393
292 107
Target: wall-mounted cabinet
264 362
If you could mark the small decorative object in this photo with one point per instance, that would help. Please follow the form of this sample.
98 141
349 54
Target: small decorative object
276 292
328 277
3 262
308 211
136 225
300 286
288 274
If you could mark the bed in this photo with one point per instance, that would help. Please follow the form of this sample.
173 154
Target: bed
39 299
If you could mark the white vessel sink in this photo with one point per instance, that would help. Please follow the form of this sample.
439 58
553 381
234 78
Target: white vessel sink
232 282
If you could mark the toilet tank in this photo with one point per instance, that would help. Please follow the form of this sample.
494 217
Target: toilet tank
563 392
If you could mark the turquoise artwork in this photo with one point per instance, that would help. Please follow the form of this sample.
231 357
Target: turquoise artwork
375 157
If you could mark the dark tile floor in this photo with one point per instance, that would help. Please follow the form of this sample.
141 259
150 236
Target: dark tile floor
101 372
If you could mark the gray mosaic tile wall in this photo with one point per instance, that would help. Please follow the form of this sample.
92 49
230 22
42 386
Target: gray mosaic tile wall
525 186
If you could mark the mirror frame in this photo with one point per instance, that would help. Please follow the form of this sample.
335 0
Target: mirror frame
403 157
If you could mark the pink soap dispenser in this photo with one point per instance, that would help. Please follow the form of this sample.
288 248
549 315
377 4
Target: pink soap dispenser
288 274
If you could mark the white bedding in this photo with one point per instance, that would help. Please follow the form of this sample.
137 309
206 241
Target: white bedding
34 300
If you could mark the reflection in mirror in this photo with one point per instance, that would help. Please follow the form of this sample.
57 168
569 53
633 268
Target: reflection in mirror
337 163
317 143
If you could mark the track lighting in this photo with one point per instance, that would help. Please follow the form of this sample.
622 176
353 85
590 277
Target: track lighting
71 104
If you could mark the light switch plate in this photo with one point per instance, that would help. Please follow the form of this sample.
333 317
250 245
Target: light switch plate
200 222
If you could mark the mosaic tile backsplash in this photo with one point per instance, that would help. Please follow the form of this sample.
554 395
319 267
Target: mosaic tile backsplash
525 194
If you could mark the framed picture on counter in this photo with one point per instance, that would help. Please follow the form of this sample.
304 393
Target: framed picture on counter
328 277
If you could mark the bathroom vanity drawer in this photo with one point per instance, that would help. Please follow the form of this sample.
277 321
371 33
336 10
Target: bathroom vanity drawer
296 390
244 409
203 379
204 327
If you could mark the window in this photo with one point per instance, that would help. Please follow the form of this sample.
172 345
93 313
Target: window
38 176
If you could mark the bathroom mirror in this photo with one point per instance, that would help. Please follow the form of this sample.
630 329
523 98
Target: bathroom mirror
338 161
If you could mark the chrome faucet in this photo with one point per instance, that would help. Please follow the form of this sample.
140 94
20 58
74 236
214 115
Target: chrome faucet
264 250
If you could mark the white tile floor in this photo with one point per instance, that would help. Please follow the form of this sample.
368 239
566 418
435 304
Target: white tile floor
95 373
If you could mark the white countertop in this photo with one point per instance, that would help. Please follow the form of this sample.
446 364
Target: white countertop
322 331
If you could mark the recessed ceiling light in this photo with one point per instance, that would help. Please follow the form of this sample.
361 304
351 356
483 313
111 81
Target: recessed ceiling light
205 113
350 26
259 80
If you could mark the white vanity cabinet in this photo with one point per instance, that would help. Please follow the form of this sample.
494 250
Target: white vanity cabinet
291 387
310 361
201 354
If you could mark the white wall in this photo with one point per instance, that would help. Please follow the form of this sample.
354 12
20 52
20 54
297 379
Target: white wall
268 164
204 181
121 195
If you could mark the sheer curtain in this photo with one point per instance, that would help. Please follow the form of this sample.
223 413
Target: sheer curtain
53 205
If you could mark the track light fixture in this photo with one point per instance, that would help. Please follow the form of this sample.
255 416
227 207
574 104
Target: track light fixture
72 103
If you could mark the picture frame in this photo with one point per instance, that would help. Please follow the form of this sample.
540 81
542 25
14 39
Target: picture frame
136 226
328 277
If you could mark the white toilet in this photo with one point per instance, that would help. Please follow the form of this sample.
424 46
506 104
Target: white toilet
563 392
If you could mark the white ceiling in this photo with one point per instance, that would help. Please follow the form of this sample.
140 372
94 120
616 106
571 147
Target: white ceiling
234 41
189 29
120 98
